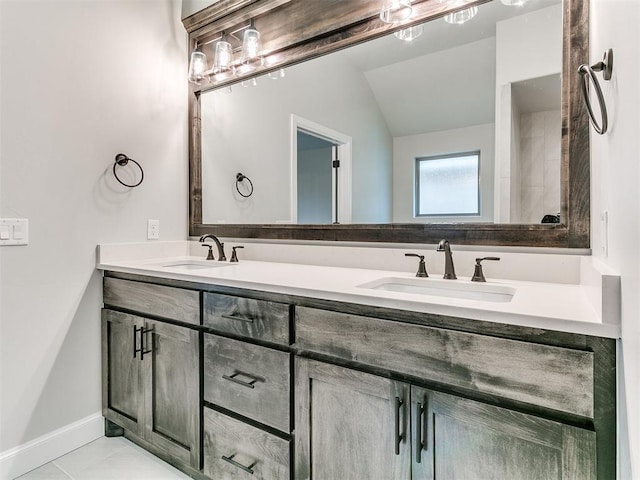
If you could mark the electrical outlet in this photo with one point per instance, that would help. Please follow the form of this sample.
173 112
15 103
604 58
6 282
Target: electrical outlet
153 229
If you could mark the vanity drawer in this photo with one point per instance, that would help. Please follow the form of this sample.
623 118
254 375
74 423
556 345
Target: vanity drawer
251 380
247 317
166 302
552 377
235 450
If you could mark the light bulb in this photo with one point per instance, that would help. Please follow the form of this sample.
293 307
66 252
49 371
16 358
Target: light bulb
251 45
394 11
197 66
223 56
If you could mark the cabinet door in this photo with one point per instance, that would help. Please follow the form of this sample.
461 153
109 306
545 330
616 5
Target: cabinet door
121 373
349 424
172 390
464 439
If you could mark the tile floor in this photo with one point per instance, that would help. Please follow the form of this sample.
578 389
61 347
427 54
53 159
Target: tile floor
107 459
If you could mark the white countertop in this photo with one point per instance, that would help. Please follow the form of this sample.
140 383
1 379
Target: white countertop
552 306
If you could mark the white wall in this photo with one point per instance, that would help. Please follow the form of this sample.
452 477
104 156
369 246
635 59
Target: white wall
339 99
615 176
81 81
407 149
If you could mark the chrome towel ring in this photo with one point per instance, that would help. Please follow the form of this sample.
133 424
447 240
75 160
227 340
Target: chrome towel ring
122 160
588 73
239 179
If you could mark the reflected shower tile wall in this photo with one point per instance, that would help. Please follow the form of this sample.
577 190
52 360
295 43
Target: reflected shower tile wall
540 146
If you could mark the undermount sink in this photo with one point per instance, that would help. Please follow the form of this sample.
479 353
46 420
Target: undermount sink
444 288
194 264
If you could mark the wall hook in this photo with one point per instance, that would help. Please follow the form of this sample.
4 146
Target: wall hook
588 73
122 160
240 178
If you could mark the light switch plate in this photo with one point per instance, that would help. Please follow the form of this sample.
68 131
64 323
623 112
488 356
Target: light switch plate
14 231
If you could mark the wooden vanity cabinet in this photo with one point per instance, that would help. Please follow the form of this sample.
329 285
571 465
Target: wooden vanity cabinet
354 425
247 388
151 380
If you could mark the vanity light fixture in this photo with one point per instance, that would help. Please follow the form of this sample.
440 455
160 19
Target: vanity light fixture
461 16
276 74
197 66
409 34
514 3
251 47
223 57
394 11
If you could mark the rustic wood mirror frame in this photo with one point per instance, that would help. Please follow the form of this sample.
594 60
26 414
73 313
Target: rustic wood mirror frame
294 31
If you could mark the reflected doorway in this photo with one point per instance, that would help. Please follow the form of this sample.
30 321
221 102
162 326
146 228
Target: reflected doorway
321 166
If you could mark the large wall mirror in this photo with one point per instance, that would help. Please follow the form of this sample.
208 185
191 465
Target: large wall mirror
473 131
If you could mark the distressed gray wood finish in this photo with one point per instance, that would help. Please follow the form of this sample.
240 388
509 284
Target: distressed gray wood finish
551 377
301 30
345 424
172 400
247 317
473 441
122 400
166 302
268 401
225 436
154 396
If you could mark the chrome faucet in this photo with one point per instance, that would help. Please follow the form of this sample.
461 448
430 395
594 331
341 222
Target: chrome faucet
221 255
449 269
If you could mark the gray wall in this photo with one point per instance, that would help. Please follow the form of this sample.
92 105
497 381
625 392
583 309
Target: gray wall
98 78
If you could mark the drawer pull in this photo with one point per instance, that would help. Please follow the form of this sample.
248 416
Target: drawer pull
238 318
399 436
239 465
232 378
421 429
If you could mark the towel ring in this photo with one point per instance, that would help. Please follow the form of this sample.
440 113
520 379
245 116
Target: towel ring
587 73
240 178
122 160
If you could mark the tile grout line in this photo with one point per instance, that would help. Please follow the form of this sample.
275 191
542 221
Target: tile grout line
62 470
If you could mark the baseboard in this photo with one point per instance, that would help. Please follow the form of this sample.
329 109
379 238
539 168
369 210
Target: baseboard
24 458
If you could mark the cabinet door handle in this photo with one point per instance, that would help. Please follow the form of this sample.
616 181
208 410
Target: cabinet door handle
420 431
238 318
232 378
135 343
399 436
142 350
239 465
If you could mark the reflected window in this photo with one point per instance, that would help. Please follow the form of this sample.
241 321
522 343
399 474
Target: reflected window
448 185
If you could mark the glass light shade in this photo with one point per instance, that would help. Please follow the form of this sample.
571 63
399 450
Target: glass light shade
197 67
394 11
223 56
514 3
250 45
276 74
461 16
251 82
409 34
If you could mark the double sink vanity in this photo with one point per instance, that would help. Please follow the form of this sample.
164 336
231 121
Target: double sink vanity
270 370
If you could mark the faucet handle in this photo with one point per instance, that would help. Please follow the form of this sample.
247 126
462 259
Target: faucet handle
478 275
234 256
422 267
210 254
